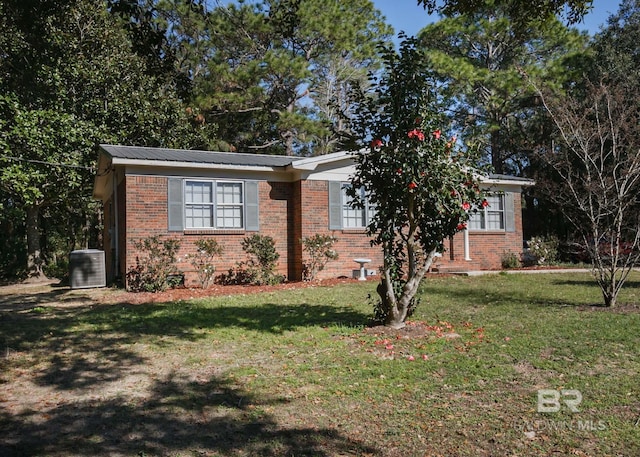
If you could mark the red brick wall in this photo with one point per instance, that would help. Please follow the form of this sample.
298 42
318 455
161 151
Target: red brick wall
146 215
351 244
296 233
288 213
485 248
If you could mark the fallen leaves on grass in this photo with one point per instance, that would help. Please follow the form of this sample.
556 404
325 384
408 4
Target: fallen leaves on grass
418 335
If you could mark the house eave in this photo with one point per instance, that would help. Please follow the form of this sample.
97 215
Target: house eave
103 175
312 163
522 182
193 165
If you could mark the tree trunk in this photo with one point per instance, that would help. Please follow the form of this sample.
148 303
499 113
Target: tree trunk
610 295
397 308
496 156
34 255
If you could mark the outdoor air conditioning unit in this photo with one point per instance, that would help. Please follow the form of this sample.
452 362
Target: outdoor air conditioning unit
87 269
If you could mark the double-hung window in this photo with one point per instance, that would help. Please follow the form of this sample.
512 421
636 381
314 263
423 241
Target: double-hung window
492 217
343 215
213 204
229 205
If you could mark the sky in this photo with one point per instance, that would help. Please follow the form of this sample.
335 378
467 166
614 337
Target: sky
407 16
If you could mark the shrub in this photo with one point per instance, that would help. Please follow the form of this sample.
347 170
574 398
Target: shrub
202 260
155 265
320 251
259 268
509 260
543 250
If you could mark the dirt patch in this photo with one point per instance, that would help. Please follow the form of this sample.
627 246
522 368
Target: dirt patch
622 308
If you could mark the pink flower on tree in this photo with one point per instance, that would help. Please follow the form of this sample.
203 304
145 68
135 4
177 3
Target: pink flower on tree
485 203
416 133
461 226
436 134
412 185
376 143
466 206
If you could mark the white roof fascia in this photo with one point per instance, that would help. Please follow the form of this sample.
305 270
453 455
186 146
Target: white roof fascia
312 163
507 182
210 166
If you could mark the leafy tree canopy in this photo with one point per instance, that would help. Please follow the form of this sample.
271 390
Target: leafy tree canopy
70 80
270 72
519 11
480 58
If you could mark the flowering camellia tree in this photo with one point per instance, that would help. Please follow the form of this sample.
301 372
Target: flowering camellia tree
421 185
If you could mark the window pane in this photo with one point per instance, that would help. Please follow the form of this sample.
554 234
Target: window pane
476 221
495 202
495 220
198 216
229 217
198 192
352 218
229 193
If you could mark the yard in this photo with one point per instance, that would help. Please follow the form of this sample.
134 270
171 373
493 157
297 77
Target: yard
296 372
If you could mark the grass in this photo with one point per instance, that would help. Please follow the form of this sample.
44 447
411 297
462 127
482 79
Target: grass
298 373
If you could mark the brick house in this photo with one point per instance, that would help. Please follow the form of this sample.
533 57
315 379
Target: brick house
189 195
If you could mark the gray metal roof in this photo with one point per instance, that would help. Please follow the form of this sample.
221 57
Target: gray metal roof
195 156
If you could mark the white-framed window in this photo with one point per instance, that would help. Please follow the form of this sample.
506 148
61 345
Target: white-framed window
355 217
490 218
229 205
213 204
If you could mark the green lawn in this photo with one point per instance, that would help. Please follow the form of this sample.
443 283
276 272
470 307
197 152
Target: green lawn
298 373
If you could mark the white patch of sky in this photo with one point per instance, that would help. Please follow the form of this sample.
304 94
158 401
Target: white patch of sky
407 16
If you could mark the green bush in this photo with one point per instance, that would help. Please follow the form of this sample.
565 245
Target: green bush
202 260
58 268
155 268
259 268
319 249
510 260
